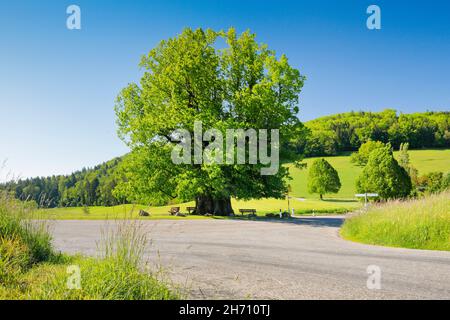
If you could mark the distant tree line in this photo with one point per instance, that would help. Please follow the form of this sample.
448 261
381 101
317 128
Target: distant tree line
338 133
88 187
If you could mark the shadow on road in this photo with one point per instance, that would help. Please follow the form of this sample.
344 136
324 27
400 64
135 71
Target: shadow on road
334 222
319 221
313 221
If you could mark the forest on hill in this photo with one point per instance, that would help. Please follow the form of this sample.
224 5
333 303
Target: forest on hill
342 132
86 187
326 136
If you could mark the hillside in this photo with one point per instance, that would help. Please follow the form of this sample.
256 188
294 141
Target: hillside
88 186
342 132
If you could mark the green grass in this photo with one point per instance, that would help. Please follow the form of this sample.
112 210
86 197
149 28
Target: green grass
22 243
30 269
416 224
347 174
423 160
104 279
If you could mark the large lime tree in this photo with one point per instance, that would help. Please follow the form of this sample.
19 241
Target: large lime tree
223 80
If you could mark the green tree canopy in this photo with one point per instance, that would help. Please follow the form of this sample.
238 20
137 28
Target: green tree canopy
225 81
361 157
84 187
383 175
323 178
347 131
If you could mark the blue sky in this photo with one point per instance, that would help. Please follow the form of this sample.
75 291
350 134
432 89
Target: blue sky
57 86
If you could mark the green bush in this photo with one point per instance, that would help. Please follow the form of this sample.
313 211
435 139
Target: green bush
433 182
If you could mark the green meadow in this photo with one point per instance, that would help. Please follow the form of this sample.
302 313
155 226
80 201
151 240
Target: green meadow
302 202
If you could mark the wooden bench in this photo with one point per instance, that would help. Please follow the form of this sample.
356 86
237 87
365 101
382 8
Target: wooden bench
174 211
251 211
143 213
190 209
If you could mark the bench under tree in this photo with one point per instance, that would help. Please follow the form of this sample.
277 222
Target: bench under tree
251 211
174 211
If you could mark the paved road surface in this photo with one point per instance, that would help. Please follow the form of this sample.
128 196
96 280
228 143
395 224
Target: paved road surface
305 259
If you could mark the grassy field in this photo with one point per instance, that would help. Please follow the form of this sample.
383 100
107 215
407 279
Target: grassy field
416 224
302 202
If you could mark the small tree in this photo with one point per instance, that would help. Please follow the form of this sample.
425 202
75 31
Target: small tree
323 178
384 175
403 157
361 157
403 161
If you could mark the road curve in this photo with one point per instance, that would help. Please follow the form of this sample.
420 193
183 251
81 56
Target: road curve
302 259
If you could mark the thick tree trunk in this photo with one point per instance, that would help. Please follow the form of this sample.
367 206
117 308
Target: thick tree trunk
222 207
321 197
207 204
203 205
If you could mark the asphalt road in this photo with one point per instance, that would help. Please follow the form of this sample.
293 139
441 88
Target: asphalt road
305 259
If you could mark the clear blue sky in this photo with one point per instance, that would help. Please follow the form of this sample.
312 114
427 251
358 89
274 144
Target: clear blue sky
57 87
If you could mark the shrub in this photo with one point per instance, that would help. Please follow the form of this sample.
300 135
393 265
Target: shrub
446 182
433 182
